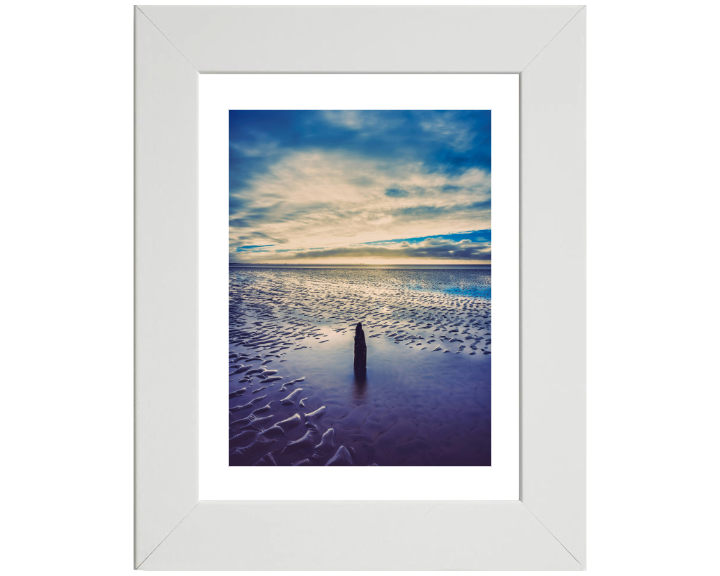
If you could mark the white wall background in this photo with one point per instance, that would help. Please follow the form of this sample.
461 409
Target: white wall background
66 316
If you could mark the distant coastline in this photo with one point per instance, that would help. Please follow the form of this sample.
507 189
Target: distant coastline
389 266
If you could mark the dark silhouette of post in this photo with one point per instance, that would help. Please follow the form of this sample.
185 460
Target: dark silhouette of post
360 349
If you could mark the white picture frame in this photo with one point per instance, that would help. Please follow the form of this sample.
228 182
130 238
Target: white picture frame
545 529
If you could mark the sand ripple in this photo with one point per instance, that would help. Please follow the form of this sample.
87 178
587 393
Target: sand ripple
414 407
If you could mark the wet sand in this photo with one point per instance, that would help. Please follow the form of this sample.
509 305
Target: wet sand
295 398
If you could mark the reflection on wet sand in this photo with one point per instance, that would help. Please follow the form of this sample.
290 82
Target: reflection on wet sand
360 381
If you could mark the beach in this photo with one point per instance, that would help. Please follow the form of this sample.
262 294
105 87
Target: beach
295 398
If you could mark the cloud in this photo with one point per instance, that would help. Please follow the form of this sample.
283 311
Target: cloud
438 250
469 236
443 141
343 179
449 128
352 119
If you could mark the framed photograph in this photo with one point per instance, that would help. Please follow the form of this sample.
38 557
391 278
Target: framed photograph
385 242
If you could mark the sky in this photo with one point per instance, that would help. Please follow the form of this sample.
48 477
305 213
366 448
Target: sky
360 187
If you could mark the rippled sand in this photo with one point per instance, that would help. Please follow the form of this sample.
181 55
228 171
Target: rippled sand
295 399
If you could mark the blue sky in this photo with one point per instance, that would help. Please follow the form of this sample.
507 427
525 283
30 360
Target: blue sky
386 187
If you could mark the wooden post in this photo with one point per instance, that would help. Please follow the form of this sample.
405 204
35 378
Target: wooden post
360 362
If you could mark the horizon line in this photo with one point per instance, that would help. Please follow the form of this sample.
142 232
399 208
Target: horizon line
346 264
